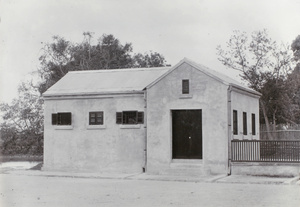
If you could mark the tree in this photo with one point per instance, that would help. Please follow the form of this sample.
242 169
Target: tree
54 63
294 82
153 59
22 127
296 49
265 67
62 56
108 53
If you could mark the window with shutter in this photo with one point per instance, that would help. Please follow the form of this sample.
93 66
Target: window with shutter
62 118
130 117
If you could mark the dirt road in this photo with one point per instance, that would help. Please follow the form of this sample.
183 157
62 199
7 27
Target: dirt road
42 191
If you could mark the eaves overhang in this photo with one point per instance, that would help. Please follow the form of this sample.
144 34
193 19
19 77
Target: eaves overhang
85 95
244 90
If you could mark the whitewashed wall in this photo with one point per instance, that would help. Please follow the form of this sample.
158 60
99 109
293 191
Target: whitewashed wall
208 95
108 148
242 102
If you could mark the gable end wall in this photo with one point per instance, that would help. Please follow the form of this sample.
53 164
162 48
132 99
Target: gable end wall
206 94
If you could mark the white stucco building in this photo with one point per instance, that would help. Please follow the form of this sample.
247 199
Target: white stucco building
168 120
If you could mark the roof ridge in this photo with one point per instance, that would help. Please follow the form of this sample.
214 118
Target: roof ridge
118 70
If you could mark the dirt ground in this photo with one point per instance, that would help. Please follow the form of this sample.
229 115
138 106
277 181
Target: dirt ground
44 191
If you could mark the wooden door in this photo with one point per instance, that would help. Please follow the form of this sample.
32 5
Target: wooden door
187 134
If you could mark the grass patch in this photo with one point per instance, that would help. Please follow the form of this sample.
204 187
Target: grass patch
19 158
274 176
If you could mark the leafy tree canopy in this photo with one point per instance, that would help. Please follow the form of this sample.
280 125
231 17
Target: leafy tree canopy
266 66
257 57
296 48
22 126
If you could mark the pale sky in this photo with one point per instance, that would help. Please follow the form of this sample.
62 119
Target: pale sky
174 28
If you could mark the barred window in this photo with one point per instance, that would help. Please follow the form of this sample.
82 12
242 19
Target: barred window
130 117
62 118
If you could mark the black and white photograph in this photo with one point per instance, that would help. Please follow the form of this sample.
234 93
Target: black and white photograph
149 103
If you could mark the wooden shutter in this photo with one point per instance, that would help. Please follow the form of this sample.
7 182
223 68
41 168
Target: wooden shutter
140 118
119 117
54 119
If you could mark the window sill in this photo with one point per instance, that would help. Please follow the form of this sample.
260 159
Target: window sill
185 96
130 126
63 127
195 161
91 127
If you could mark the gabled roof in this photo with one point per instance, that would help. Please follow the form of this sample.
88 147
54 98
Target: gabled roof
211 73
105 81
132 80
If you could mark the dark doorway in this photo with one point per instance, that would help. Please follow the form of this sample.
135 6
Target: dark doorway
187 134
